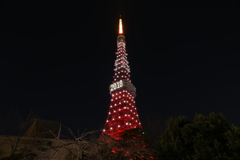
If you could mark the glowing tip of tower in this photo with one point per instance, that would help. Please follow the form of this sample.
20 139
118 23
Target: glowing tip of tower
120 26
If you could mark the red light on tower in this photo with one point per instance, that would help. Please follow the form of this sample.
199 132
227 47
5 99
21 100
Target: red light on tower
122 113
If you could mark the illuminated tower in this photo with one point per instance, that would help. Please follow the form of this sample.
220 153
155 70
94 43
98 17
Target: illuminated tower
122 114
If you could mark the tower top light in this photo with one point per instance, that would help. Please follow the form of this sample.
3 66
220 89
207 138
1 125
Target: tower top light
120 31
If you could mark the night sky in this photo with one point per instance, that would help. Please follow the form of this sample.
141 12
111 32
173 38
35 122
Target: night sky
57 58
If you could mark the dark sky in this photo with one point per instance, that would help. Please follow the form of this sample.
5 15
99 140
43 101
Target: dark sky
57 58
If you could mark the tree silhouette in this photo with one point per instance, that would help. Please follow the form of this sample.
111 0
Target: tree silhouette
206 137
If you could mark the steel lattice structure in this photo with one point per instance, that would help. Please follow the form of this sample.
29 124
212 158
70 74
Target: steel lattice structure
122 114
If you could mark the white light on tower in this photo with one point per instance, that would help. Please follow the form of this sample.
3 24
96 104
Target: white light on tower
120 26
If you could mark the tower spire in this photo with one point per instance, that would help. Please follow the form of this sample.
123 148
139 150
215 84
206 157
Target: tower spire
120 29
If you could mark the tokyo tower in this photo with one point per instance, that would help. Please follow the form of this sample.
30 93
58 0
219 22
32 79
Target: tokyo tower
122 114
